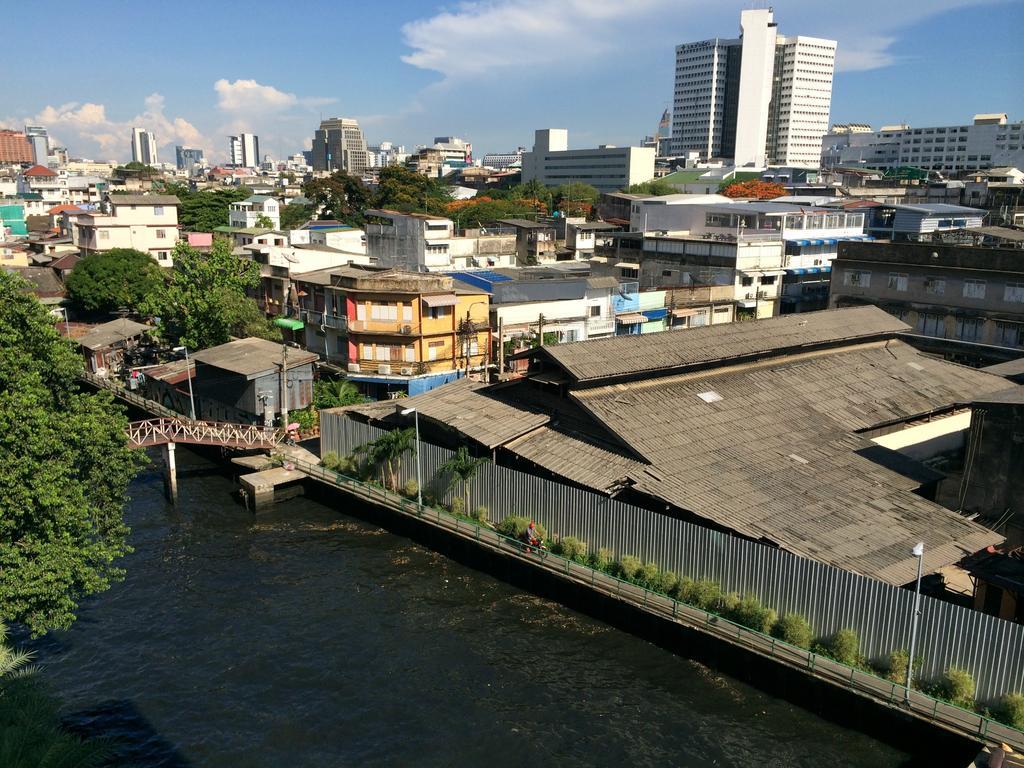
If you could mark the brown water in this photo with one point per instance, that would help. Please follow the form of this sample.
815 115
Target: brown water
308 638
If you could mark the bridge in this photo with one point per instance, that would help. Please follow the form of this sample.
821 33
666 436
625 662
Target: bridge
142 434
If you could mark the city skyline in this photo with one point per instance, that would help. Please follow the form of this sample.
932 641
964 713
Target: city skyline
426 74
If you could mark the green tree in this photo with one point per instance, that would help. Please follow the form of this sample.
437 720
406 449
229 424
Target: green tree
206 209
654 187
335 393
110 280
400 189
264 222
64 472
386 452
575 198
462 467
204 301
295 215
340 196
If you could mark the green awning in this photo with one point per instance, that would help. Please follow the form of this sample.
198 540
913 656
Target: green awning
290 323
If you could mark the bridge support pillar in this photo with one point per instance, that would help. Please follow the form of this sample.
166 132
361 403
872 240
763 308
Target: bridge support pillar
170 474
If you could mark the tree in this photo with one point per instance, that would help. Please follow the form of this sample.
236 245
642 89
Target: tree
400 189
386 452
462 467
110 280
340 196
575 198
295 215
64 472
335 393
264 222
206 209
654 187
755 189
204 301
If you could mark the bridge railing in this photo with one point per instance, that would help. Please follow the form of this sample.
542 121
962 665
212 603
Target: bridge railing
158 431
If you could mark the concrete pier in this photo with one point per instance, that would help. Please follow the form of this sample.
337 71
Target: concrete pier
264 489
170 473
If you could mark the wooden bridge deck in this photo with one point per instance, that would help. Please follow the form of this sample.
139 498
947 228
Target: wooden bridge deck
226 435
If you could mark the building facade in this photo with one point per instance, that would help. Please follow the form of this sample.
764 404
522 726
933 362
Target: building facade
40 141
246 213
244 150
338 145
607 168
15 147
144 147
187 158
758 99
417 242
989 141
501 160
147 223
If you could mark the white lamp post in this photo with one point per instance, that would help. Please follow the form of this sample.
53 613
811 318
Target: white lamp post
188 372
419 477
918 552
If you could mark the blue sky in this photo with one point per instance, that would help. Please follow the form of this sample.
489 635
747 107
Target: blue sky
489 71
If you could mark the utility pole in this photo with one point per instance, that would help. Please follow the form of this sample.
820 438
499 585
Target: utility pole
540 330
284 386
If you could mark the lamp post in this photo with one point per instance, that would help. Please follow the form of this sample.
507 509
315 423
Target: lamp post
67 326
419 477
918 552
188 371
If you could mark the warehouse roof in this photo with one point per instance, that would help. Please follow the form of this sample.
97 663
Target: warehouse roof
252 356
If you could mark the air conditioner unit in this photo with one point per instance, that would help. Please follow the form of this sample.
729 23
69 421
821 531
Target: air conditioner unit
353 367
384 368
406 371
407 329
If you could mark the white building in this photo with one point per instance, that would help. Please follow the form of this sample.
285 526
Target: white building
386 153
760 99
245 213
662 213
147 223
454 151
607 168
40 141
501 160
144 146
989 141
417 242
58 188
244 150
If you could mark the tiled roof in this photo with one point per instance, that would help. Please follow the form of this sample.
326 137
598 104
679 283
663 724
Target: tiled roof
623 356
39 171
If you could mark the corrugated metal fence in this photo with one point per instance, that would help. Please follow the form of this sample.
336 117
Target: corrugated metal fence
990 648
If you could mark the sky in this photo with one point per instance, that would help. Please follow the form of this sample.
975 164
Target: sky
490 71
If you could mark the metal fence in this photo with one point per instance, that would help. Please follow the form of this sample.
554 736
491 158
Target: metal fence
832 599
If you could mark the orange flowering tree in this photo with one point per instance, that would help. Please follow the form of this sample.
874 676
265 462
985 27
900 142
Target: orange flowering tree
754 189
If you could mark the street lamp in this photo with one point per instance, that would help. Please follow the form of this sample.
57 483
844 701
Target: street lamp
419 476
58 311
918 552
188 371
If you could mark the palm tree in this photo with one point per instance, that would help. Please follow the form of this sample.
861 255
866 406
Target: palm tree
13 662
386 452
335 393
462 467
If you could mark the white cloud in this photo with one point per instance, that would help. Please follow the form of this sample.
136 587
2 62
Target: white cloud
249 96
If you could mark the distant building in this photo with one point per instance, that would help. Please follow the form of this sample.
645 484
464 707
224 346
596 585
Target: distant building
15 147
418 242
244 150
385 154
147 223
607 168
59 188
501 160
247 212
188 158
989 141
338 145
454 151
144 147
40 141
759 99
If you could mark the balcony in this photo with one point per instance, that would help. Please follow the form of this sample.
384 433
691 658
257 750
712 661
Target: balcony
387 327
327 320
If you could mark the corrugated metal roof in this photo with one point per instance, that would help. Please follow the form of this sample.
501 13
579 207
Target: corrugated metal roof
111 333
252 356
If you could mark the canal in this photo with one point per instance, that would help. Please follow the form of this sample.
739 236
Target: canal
309 638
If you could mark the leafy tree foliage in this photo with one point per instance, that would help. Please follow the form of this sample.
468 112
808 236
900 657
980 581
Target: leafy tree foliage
654 187
335 393
64 472
109 280
754 189
386 452
264 222
204 302
575 198
400 189
482 210
205 209
462 468
295 215
340 196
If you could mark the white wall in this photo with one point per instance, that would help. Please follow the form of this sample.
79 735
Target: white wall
756 68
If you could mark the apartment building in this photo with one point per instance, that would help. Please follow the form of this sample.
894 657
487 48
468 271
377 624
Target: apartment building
246 213
607 168
59 188
418 242
502 160
15 147
969 294
40 141
338 145
393 331
147 223
758 99
244 150
990 140
144 147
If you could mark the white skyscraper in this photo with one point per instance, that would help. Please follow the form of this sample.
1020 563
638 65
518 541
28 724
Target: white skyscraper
758 99
234 150
40 141
244 150
143 147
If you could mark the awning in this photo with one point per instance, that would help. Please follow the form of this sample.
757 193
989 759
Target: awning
815 242
290 323
440 300
627 265
631 319
830 241
655 314
684 312
813 270
802 242
797 271
826 269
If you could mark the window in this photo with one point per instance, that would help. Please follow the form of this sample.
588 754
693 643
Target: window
627 272
161 234
474 343
434 349
158 210
745 280
1010 335
969 328
666 273
436 313
1014 292
974 289
932 325
384 312
361 312
935 285
767 279
407 313
897 281
857 277
410 353
383 353
102 234
595 311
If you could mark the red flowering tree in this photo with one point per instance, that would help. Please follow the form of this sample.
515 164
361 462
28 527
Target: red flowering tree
754 189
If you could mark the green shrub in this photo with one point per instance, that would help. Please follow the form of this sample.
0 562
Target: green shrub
844 647
897 667
572 548
515 526
602 560
411 488
794 629
706 594
629 567
750 613
1011 710
648 575
458 506
728 604
666 582
330 461
683 589
480 514
957 687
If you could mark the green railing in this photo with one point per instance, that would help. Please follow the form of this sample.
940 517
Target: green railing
922 705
